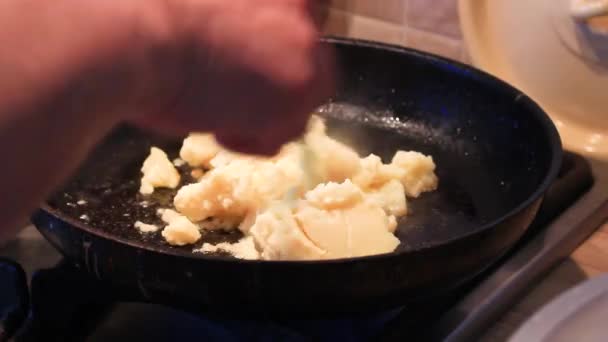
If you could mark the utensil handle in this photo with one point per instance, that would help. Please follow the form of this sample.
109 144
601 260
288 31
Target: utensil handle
587 9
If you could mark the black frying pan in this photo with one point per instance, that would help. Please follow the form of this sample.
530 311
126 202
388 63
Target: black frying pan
496 154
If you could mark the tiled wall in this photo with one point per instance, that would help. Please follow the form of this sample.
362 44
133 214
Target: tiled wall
430 25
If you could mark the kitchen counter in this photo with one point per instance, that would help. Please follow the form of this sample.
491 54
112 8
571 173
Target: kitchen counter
588 260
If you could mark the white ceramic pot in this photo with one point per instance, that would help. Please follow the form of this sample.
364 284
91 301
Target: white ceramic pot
556 51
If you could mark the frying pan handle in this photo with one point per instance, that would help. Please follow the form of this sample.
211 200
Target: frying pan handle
587 9
14 298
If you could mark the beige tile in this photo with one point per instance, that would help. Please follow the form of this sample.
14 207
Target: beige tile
433 43
439 16
385 10
340 23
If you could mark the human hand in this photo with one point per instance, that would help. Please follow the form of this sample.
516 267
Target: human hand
252 71
248 70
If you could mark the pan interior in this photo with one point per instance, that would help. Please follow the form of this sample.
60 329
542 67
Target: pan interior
492 152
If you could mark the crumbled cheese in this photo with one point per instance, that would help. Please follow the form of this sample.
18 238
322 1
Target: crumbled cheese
220 223
361 230
167 215
197 174
316 126
205 199
390 197
145 228
373 173
84 217
350 207
248 221
369 230
419 172
158 172
222 158
392 224
280 238
81 202
231 190
198 149
181 231
334 195
243 249
178 162
334 161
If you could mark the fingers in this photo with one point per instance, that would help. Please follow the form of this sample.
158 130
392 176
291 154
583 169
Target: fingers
287 115
257 73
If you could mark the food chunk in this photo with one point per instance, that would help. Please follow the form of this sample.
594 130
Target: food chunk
243 249
199 149
337 219
279 237
214 195
181 231
390 197
231 190
332 195
158 172
315 199
357 231
369 231
334 161
373 173
145 228
419 172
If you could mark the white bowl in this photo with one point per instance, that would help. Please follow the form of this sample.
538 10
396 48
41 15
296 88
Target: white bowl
556 51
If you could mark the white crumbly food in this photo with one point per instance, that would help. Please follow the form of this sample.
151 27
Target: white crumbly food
390 197
168 215
198 149
373 173
280 237
158 172
243 249
340 205
231 190
353 228
335 161
181 231
418 172
332 195
145 228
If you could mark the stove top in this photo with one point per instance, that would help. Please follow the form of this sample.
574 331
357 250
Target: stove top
44 297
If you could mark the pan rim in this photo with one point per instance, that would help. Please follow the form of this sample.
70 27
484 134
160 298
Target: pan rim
549 130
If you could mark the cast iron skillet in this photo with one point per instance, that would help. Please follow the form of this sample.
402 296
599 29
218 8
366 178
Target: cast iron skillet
496 154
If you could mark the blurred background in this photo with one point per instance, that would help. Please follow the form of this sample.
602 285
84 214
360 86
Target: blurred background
431 26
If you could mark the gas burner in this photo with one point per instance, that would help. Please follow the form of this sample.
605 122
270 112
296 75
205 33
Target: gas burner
65 304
